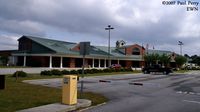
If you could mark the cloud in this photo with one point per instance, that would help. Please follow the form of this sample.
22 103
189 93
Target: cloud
21 27
190 27
135 21
8 42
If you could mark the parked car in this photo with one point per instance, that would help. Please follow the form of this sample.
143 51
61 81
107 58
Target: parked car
156 68
115 66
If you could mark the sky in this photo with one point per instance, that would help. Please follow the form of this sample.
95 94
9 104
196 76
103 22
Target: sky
140 22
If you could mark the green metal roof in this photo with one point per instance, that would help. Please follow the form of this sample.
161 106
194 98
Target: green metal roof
160 52
62 47
55 45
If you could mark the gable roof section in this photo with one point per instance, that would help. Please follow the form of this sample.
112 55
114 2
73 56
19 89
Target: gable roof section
55 45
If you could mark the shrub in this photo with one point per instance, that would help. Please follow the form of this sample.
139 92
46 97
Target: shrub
94 70
100 71
73 72
112 70
20 74
128 69
89 71
85 71
56 72
46 73
107 70
122 70
79 71
118 70
65 72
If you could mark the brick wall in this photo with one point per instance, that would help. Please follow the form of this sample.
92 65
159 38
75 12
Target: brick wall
129 50
128 64
72 63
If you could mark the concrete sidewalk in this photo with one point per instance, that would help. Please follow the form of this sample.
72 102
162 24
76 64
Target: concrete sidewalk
58 107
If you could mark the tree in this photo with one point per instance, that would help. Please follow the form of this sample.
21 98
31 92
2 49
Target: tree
151 59
4 59
164 59
195 59
180 60
186 55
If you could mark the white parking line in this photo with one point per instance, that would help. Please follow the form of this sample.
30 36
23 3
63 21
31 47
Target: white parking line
191 101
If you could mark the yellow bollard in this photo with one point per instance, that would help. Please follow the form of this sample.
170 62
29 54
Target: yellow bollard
69 89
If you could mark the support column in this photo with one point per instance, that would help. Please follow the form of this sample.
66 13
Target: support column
104 63
50 62
93 63
99 63
61 62
24 61
13 60
118 61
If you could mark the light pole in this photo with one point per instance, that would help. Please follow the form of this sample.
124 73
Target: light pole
180 43
109 28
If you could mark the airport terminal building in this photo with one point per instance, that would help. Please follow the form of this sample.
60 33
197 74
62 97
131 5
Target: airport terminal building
43 52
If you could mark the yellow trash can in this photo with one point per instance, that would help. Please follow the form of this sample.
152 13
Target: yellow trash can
69 89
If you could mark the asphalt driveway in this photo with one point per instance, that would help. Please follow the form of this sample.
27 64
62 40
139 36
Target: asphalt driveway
141 92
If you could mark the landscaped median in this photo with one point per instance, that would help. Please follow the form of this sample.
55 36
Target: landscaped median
18 95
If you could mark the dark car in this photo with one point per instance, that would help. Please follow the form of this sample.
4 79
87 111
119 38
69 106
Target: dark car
156 68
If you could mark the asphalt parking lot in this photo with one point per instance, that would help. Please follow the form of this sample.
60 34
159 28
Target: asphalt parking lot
142 92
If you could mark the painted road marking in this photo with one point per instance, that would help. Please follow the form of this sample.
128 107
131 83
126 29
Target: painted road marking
190 101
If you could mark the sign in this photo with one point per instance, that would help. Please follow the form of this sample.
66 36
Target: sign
84 48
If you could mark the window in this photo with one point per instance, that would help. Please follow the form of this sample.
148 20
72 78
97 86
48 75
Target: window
136 51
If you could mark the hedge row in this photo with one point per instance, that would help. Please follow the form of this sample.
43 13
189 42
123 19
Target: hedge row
86 71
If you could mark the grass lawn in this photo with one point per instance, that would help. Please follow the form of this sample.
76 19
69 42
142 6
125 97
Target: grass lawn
181 71
18 95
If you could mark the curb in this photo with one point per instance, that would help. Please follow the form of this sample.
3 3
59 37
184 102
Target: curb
91 107
58 107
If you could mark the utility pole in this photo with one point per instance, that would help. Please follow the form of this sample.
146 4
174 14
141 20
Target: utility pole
109 28
180 44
